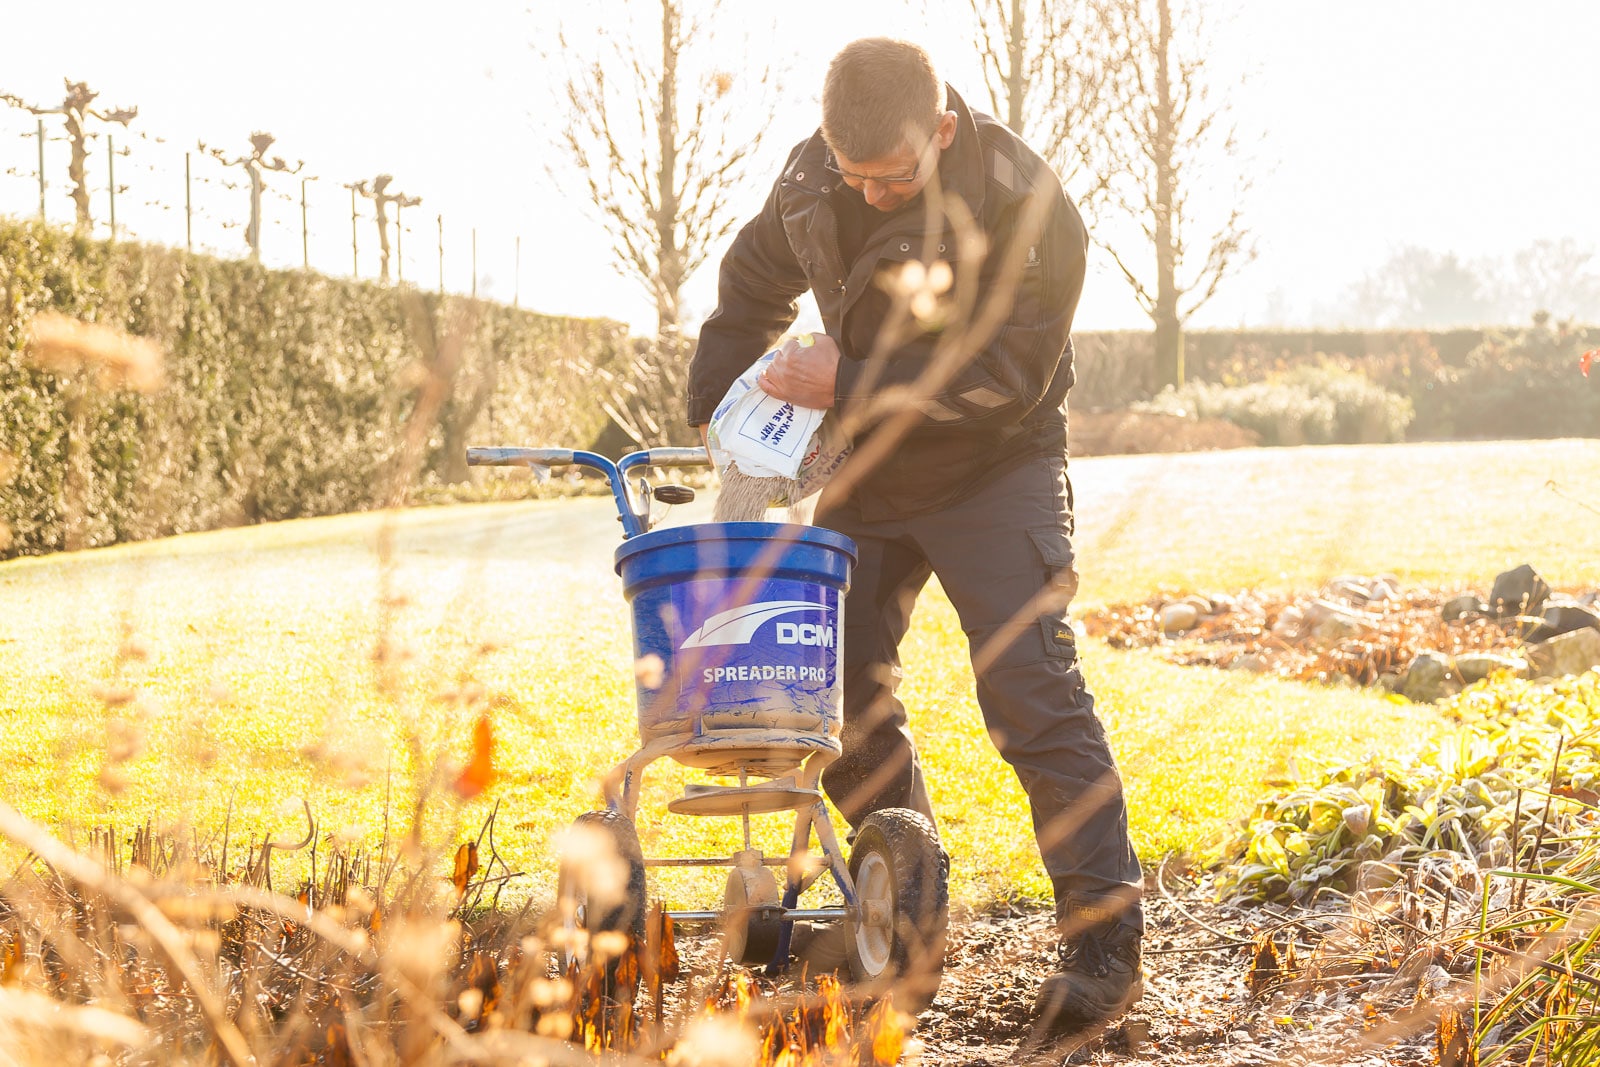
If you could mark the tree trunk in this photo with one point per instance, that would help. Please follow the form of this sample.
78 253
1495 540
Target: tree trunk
77 168
383 239
1016 76
669 257
1169 330
252 233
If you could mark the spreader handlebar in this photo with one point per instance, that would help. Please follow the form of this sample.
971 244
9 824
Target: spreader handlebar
635 517
668 457
520 457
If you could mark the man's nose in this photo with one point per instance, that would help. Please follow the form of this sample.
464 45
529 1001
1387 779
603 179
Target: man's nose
872 192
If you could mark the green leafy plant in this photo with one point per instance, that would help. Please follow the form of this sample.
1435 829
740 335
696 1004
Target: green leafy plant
1317 403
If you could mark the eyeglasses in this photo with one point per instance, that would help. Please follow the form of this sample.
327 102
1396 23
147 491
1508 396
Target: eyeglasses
832 165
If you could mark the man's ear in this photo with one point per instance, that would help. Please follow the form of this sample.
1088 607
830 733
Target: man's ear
946 133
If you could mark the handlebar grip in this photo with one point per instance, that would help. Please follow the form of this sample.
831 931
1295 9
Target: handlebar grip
519 457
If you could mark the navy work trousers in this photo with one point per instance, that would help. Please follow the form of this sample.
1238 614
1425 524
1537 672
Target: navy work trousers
1004 557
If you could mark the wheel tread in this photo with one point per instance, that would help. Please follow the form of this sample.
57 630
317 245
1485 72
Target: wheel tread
912 844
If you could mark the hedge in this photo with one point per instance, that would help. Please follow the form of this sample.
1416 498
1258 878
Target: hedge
1462 383
286 392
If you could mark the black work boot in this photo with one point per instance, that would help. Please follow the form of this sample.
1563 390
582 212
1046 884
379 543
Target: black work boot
1100 974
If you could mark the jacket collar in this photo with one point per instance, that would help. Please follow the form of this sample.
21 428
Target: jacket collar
961 169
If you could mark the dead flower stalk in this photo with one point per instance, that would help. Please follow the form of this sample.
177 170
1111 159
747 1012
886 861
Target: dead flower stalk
66 346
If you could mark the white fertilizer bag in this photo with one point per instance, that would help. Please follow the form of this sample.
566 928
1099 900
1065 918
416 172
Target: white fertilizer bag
760 436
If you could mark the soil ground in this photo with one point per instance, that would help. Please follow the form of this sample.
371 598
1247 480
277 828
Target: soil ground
1196 1008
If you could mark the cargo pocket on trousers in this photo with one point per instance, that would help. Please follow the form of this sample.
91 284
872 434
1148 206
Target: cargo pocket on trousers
1059 584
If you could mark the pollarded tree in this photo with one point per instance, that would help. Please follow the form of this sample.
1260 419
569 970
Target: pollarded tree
255 165
378 192
75 110
1164 124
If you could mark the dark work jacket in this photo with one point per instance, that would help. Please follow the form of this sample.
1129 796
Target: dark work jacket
1007 400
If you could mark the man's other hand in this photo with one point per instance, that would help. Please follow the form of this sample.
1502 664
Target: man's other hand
804 375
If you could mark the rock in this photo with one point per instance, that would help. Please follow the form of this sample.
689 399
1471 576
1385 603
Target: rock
1476 666
1222 602
1349 587
1201 604
1336 627
1569 653
1518 592
1179 618
1382 590
1291 621
1248 662
1389 682
1459 607
1430 678
1567 617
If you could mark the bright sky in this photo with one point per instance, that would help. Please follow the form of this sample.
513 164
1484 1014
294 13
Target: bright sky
1458 125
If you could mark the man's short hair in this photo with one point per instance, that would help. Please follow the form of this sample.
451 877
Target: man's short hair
877 91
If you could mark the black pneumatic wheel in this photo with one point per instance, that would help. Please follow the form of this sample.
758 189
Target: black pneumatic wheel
902 884
601 890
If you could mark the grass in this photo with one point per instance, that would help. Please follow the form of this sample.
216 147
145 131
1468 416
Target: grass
257 682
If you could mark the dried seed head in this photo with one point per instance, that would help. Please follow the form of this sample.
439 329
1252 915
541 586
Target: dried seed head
112 695
470 1003
420 948
609 944
591 855
650 671
571 939
549 992
124 741
413 376
716 1041
63 346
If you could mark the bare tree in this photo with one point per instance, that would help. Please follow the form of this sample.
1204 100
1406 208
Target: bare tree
256 165
1043 64
381 198
662 138
657 146
74 110
1163 125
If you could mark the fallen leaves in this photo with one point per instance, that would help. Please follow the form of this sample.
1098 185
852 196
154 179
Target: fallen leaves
478 775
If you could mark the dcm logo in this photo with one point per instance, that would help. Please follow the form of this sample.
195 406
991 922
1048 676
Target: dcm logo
803 633
738 626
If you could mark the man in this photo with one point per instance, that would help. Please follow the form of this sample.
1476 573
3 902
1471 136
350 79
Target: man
964 479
